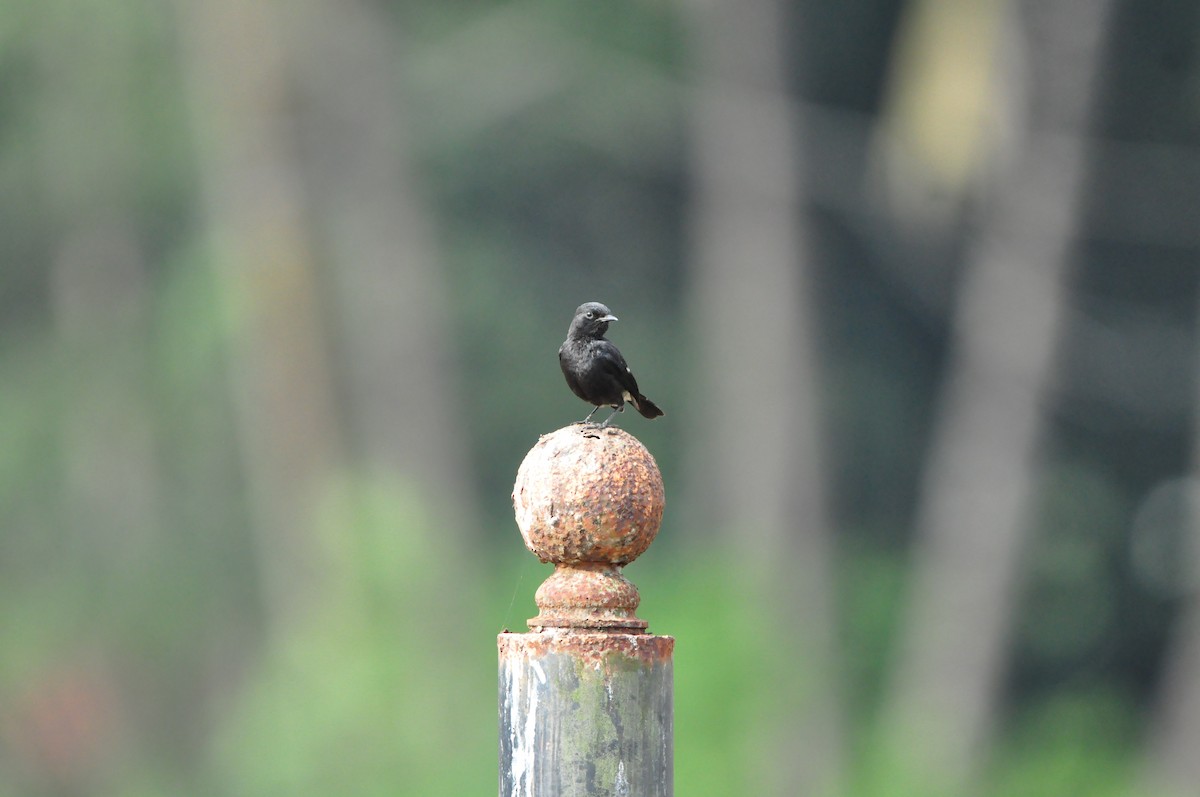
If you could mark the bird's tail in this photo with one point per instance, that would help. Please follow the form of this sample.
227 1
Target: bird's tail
646 407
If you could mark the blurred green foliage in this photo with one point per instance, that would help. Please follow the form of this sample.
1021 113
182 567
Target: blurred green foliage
138 656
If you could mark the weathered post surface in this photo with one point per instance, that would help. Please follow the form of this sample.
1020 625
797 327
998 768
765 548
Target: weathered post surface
586 696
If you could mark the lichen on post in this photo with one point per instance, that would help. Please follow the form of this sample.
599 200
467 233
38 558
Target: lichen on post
586 696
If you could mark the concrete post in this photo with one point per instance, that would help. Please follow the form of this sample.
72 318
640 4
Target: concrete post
586 696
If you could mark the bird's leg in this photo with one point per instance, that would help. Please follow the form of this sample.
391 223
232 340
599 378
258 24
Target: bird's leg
590 414
620 408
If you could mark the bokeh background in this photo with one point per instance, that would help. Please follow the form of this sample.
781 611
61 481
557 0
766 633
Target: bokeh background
915 281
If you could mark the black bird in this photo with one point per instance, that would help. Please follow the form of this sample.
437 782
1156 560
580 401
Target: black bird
594 367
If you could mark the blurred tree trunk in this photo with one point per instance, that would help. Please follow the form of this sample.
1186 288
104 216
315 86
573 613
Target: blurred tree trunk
939 713
394 329
98 291
255 206
1159 114
755 449
110 516
99 295
1172 768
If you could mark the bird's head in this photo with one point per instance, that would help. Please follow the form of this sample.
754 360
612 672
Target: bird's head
591 320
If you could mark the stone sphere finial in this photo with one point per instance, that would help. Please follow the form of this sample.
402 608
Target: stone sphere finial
589 500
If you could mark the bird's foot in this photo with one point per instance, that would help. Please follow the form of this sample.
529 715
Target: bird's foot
608 420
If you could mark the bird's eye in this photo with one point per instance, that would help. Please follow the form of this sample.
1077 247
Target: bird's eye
591 314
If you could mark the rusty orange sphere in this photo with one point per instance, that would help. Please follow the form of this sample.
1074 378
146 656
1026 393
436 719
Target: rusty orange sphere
588 494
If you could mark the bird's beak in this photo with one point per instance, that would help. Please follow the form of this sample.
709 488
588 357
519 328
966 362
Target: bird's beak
609 318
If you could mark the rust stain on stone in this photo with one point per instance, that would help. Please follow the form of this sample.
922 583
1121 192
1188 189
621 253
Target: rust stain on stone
594 649
585 494
589 500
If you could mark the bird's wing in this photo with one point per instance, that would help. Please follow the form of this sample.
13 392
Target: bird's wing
614 364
